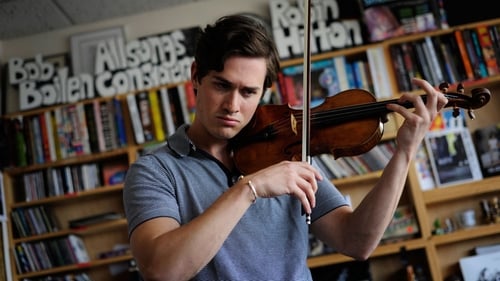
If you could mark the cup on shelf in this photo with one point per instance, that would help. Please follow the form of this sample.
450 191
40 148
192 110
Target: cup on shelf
467 218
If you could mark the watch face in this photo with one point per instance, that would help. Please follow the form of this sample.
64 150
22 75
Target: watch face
265 22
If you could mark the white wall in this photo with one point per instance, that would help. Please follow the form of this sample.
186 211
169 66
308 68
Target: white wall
177 17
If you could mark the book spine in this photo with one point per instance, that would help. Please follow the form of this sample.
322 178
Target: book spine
145 115
121 134
464 55
99 126
83 128
167 111
92 127
135 119
486 43
159 132
482 68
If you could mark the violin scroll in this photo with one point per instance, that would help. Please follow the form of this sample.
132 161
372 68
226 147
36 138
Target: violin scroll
479 98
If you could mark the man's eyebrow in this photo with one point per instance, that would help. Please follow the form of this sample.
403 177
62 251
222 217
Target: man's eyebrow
227 82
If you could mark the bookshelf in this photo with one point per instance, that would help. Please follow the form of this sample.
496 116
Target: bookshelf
438 254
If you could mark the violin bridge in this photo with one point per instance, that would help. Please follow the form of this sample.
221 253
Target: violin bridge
293 124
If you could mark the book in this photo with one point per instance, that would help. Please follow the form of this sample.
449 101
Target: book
78 249
487 143
119 122
144 107
166 110
99 125
159 132
93 219
113 172
423 169
135 119
483 69
379 72
398 63
459 39
488 51
92 127
386 18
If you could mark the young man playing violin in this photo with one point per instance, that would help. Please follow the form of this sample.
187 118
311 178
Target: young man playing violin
191 215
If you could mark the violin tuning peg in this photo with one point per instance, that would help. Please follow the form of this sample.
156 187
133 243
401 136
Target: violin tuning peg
471 114
443 87
460 88
456 112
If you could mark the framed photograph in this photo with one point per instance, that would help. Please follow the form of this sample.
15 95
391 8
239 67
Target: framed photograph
484 267
452 156
83 47
487 140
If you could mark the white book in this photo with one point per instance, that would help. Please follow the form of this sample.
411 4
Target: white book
167 111
135 119
379 72
341 69
181 90
78 248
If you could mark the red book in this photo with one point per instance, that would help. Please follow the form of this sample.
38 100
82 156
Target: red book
488 50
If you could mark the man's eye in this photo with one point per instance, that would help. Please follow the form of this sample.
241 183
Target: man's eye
222 86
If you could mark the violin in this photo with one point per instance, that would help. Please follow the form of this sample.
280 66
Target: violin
346 124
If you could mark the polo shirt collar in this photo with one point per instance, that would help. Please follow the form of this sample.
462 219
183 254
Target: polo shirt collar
180 143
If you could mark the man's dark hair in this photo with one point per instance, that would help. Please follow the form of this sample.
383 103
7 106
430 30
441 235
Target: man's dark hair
236 35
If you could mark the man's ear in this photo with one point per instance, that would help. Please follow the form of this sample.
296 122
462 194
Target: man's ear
194 71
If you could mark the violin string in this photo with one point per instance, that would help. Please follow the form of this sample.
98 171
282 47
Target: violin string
331 115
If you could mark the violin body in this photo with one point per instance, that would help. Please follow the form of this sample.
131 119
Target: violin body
346 124
274 133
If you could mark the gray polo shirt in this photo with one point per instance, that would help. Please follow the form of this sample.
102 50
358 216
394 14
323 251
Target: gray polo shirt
270 242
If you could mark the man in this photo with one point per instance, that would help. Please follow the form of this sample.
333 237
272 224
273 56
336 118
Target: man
192 216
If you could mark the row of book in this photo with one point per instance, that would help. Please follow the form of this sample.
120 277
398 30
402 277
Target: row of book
66 131
47 254
33 221
374 160
57 181
81 276
328 77
155 114
462 55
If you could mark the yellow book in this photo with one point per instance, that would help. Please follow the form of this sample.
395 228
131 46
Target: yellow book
159 132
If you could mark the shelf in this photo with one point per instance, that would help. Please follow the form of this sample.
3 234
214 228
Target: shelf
15 171
382 250
466 234
71 196
74 267
91 229
442 195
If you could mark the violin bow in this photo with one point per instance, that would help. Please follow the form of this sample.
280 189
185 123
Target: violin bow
306 97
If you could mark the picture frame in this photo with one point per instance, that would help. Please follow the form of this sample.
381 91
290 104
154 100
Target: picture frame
452 156
481 267
83 47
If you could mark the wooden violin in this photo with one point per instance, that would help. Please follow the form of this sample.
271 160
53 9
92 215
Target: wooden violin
347 124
